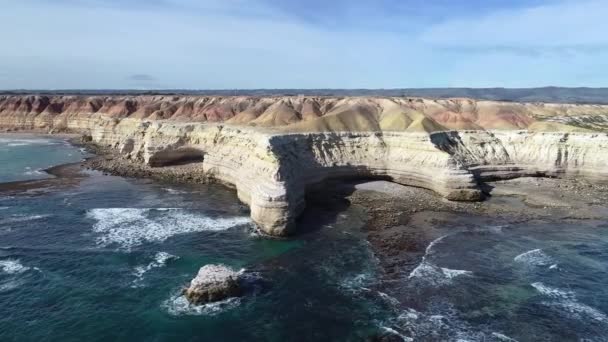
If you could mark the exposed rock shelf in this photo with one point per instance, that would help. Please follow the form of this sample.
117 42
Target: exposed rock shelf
273 169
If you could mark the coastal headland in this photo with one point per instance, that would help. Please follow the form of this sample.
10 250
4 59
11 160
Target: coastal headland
275 150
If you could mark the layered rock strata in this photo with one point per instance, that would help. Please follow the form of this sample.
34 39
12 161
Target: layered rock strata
272 169
306 114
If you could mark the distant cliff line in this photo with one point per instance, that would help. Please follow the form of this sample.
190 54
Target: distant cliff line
578 95
311 113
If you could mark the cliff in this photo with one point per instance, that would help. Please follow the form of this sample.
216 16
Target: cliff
305 141
307 114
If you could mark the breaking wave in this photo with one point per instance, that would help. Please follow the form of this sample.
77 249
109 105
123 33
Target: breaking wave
11 266
433 274
566 303
357 283
26 142
535 257
178 305
30 172
441 324
175 191
160 260
130 227
23 218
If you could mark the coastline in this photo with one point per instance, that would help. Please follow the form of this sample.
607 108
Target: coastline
396 213
401 220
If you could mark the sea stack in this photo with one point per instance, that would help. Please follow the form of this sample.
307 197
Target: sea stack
213 283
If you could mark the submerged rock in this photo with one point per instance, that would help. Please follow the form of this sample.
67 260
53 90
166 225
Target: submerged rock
213 283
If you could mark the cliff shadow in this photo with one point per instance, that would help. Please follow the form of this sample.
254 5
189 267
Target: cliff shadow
177 157
327 200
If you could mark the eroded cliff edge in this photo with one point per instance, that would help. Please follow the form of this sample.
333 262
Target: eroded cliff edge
273 168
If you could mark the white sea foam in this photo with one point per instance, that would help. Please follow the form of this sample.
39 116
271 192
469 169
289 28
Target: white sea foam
23 218
178 305
451 274
441 324
397 334
11 266
497 229
26 142
10 284
160 260
580 311
535 257
357 283
567 303
429 248
553 292
502 337
389 299
30 172
175 191
433 274
4 208
129 227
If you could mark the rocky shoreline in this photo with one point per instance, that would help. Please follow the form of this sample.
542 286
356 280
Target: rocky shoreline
396 213
392 207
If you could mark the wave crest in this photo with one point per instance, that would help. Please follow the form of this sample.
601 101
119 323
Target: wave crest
160 260
130 227
178 305
535 257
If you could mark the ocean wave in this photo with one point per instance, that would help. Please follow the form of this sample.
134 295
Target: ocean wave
567 303
4 208
552 292
178 305
395 333
130 227
30 172
12 266
160 260
175 191
357 283
23 218
535 257
391 300
443 323
580 311
11 284
503 337
433 274
26 142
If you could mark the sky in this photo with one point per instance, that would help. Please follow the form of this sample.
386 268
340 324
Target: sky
227 44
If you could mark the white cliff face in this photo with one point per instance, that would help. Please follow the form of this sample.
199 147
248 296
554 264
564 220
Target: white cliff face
272 171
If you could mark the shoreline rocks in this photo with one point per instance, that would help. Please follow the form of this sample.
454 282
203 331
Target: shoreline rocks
213 283
274 168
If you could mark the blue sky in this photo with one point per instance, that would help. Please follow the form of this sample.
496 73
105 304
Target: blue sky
219 44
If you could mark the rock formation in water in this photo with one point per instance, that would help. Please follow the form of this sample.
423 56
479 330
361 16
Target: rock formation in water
213 283
275 149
